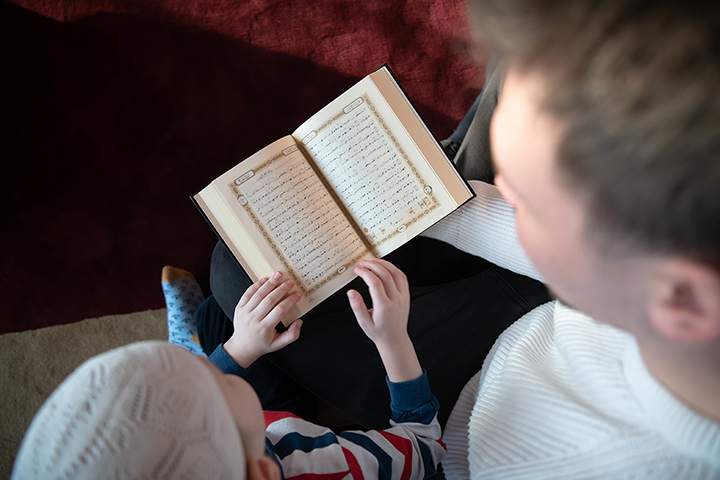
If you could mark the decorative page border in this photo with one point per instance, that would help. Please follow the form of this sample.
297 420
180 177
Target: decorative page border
434 202
277 251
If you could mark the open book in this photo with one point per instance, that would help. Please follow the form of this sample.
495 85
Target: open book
357 180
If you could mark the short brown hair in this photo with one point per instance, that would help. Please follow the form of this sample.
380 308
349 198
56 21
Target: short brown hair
637 83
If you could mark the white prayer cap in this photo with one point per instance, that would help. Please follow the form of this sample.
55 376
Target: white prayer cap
146 410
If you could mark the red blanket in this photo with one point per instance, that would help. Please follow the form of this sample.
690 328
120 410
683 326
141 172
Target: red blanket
118 110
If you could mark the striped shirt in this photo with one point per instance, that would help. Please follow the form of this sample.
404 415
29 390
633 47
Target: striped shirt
409 450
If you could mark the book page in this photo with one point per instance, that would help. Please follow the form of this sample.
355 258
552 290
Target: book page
384 174
371 173
291 217
421 136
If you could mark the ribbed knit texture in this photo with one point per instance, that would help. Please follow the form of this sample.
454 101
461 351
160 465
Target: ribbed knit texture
485 227
560 395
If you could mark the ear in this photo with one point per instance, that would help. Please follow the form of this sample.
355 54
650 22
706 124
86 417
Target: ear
685 301
262 468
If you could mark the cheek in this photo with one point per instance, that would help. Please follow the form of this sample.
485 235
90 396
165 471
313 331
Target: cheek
530 237
543 247
247 411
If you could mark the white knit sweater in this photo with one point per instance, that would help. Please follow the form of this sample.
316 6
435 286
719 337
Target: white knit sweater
560 395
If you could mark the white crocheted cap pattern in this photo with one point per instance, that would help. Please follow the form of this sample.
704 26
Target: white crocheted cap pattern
146 410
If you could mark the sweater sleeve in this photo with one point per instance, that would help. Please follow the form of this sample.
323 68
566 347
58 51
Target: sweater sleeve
410 449
485 227
221 359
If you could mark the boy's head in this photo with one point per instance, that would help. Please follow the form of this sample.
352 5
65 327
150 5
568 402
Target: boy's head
147 410
607 140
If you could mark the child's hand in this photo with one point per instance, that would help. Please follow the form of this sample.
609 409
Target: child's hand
261 307
386 323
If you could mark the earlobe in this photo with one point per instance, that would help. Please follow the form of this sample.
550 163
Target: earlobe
685 302
262 468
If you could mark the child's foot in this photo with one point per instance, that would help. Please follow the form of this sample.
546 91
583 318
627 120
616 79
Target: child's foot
183 296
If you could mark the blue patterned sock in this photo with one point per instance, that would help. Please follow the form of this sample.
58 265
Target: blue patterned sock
183 296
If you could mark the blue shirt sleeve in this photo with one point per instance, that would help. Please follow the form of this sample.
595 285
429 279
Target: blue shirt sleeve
225 363
412 401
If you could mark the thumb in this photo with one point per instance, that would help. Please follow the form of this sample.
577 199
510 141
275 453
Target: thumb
288 336
359 308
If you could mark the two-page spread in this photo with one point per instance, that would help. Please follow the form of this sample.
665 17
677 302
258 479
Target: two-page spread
357 180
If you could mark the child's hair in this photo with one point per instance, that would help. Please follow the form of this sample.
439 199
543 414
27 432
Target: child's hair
146 410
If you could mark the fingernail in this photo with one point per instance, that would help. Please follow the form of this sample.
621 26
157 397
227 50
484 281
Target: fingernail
263 280
298 294
351 295
290 282
277 276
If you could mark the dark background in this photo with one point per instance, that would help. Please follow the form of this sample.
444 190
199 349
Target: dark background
113 113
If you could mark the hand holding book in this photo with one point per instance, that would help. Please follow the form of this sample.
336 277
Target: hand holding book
386 322
266 302
259 310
